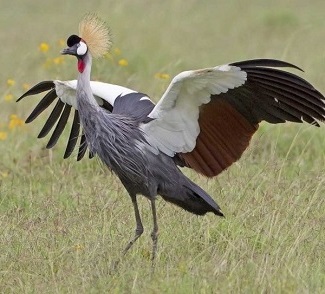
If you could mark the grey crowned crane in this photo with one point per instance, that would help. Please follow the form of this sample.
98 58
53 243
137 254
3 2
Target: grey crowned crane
204 121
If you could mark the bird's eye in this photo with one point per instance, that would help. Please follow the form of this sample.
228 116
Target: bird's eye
82 48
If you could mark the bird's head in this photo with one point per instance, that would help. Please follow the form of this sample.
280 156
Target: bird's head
94 40
76 47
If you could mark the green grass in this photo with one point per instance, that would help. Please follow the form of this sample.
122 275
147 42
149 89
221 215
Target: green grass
63 223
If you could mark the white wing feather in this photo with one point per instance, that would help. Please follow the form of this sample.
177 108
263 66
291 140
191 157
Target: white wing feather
175 126
66 91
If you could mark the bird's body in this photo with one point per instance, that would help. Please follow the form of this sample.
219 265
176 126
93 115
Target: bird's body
120 143
204 121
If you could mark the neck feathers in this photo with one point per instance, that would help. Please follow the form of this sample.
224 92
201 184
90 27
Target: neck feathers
85 96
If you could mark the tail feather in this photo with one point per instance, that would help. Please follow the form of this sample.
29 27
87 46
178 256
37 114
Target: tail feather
194 199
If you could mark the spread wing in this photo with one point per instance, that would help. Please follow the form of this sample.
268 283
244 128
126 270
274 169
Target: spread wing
208 116
63 93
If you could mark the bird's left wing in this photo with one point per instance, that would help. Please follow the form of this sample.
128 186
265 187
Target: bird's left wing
64 93
207 117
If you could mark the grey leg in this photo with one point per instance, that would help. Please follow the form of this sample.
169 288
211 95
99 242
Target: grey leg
139 226
138 233
154 234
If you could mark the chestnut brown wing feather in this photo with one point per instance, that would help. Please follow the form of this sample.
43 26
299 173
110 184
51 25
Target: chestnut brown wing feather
224 136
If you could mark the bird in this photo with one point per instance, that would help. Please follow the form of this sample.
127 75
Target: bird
204 121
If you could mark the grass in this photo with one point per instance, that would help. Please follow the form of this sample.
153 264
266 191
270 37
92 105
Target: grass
63 223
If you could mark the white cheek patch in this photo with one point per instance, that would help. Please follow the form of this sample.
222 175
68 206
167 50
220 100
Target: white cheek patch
82 48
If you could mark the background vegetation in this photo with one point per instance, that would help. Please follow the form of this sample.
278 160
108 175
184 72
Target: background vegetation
63 223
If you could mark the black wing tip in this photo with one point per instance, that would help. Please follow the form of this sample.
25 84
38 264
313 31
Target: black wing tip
264 62
66 155
28 120
74 134
315 123
218 212
60 126
82 147
38 88
42 105
80 155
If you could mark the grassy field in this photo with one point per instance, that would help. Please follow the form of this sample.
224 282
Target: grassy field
63 223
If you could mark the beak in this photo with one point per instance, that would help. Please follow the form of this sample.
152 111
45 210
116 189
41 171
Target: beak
69 51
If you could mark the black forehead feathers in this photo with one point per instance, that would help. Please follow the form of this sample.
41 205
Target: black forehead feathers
72 40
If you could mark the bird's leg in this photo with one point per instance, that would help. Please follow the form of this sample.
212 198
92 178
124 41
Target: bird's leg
138 231
139 227
154 234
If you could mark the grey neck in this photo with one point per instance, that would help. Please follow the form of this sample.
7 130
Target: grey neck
84 93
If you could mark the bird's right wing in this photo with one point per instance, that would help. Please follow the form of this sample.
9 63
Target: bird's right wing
64 93
208 116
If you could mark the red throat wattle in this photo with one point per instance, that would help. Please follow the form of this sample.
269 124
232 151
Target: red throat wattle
81 65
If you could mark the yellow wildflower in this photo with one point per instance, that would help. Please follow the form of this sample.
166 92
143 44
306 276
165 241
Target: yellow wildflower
3 135
26 86
58 60
123 62
162 76
15 121
117 51
10 82
8 97
44 47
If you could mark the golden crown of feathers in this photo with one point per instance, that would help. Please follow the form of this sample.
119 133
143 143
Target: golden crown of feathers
96 34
